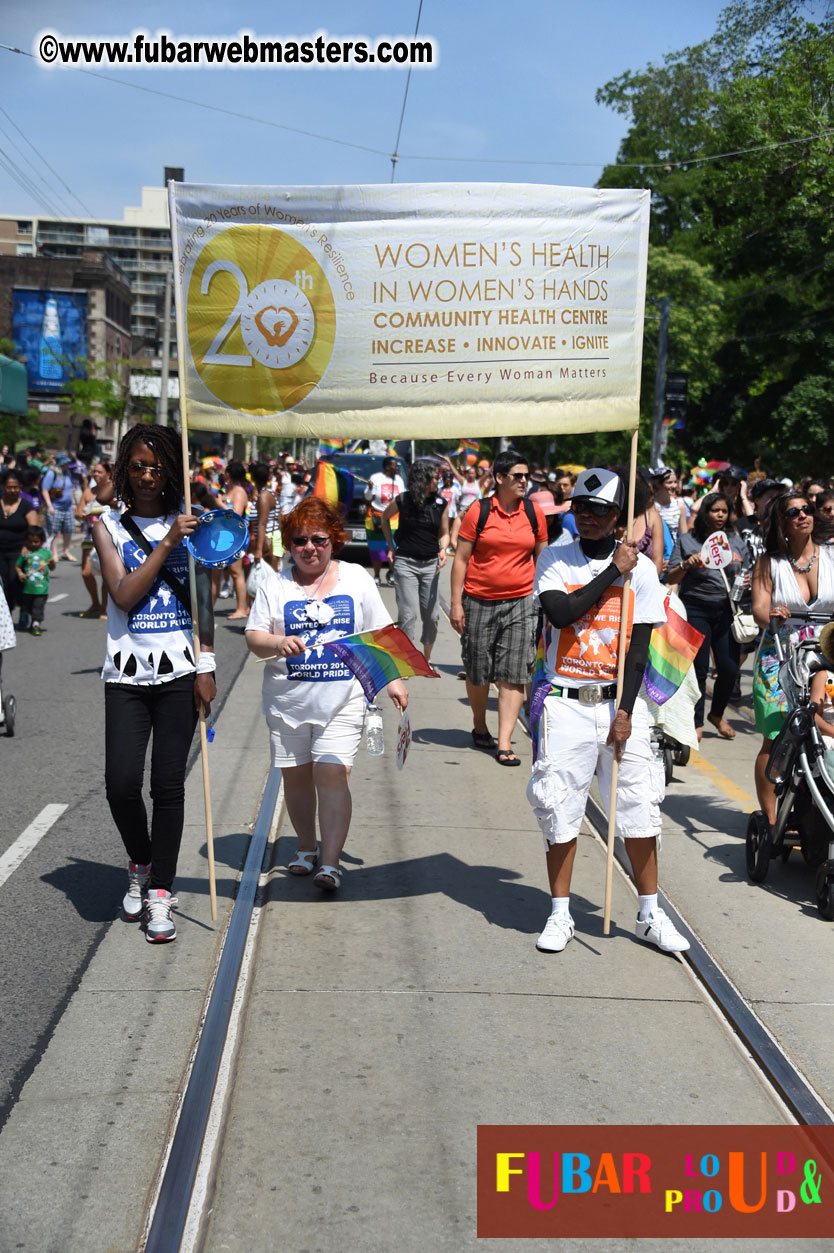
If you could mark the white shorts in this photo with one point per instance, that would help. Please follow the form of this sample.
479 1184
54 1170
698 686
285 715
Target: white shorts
572 750
335 743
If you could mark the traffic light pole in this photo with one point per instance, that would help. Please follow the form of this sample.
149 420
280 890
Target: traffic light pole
660 379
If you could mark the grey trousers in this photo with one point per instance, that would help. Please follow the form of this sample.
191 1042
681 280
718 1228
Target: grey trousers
416 584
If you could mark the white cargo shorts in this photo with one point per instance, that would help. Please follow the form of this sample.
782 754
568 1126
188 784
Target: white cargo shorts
572 750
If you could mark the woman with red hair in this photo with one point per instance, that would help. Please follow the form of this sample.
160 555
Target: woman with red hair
314 706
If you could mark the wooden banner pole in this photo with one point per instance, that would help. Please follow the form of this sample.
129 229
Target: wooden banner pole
621 651
192 572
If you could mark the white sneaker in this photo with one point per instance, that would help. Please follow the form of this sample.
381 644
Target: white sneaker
659 929
134 900
558 930
160 925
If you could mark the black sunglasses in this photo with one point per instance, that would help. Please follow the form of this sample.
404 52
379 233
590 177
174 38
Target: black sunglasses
518 475
597 507
796 510
301 541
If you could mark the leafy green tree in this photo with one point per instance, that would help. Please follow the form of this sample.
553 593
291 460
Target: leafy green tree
735 139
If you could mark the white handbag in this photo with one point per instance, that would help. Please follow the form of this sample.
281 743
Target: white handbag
256 577
744 626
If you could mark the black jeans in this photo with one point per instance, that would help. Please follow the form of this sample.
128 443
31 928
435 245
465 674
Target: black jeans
715 625
131 714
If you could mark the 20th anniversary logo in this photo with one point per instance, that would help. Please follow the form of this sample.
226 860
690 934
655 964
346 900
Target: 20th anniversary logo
261 319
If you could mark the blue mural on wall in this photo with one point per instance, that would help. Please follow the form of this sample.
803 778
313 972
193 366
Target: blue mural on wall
49 331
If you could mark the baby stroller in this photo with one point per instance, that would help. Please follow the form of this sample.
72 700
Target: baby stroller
668 750
8 707
801 775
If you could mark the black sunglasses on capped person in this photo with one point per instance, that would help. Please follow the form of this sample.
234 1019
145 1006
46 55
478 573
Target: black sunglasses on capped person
597 507
301 541
796 510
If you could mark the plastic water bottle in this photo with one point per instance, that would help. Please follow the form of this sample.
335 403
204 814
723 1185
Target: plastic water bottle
374 734
738 587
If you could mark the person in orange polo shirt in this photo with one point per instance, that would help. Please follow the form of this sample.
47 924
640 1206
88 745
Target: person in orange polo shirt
492 603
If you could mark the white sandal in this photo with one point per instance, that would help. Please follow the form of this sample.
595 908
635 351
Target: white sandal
301 863
328 872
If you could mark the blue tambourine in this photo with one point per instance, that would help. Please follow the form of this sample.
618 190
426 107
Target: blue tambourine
220 537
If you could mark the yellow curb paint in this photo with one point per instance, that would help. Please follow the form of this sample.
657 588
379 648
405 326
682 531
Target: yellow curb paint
725 785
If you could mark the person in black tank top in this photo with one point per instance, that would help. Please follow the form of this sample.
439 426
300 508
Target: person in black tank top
16 519
420 554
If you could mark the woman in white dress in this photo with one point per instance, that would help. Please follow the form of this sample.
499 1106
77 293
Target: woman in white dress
794 576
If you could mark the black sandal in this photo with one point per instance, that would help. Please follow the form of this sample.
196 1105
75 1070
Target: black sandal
483 739
506 757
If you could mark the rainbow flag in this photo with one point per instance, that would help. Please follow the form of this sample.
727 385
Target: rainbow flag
469 445
672 650
539 687
334 485
378 657
327 446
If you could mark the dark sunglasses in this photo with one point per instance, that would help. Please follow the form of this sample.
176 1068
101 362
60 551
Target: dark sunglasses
301 541
796 510
518 475
597 507
136 469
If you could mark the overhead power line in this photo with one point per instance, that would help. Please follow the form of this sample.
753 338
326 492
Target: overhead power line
23 181
40 155
456 159
60 198
394 156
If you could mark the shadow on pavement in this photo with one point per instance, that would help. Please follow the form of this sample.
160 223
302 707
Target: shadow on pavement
489 890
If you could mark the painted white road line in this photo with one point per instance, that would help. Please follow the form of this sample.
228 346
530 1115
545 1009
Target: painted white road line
31 837
54 599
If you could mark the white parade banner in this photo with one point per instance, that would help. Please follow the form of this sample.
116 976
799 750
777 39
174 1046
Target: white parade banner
409 310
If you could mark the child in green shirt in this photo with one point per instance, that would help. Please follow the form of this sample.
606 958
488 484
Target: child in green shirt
33 566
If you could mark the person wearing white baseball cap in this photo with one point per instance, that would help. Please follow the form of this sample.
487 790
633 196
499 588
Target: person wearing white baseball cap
579 724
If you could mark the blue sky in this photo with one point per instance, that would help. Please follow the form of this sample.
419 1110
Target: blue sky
513 80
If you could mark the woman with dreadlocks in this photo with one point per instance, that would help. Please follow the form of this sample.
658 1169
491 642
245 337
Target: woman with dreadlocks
152 685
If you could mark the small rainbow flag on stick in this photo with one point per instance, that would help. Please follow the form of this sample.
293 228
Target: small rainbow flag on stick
378 657
672 649
334 485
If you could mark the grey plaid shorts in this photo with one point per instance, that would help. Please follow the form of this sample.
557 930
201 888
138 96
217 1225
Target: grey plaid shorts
499 639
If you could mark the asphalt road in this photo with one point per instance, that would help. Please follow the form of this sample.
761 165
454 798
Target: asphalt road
56 906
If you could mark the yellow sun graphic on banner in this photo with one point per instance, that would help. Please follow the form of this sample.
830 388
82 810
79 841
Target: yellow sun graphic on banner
261 319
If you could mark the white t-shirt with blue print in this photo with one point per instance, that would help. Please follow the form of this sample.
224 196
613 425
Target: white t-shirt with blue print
153 641
314 687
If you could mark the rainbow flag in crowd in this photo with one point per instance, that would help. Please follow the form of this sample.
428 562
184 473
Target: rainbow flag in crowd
539 687
334 485
328 446
469 445
672 650
378 657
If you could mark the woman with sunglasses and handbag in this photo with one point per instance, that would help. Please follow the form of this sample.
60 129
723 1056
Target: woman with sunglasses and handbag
794 575
153 687
703 591
314 707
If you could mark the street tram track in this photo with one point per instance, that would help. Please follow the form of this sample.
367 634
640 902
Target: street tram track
169 1213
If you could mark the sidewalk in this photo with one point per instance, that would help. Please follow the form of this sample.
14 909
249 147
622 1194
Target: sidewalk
383 1024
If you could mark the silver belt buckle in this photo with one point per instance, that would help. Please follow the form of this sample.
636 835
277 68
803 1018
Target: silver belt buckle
590 694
